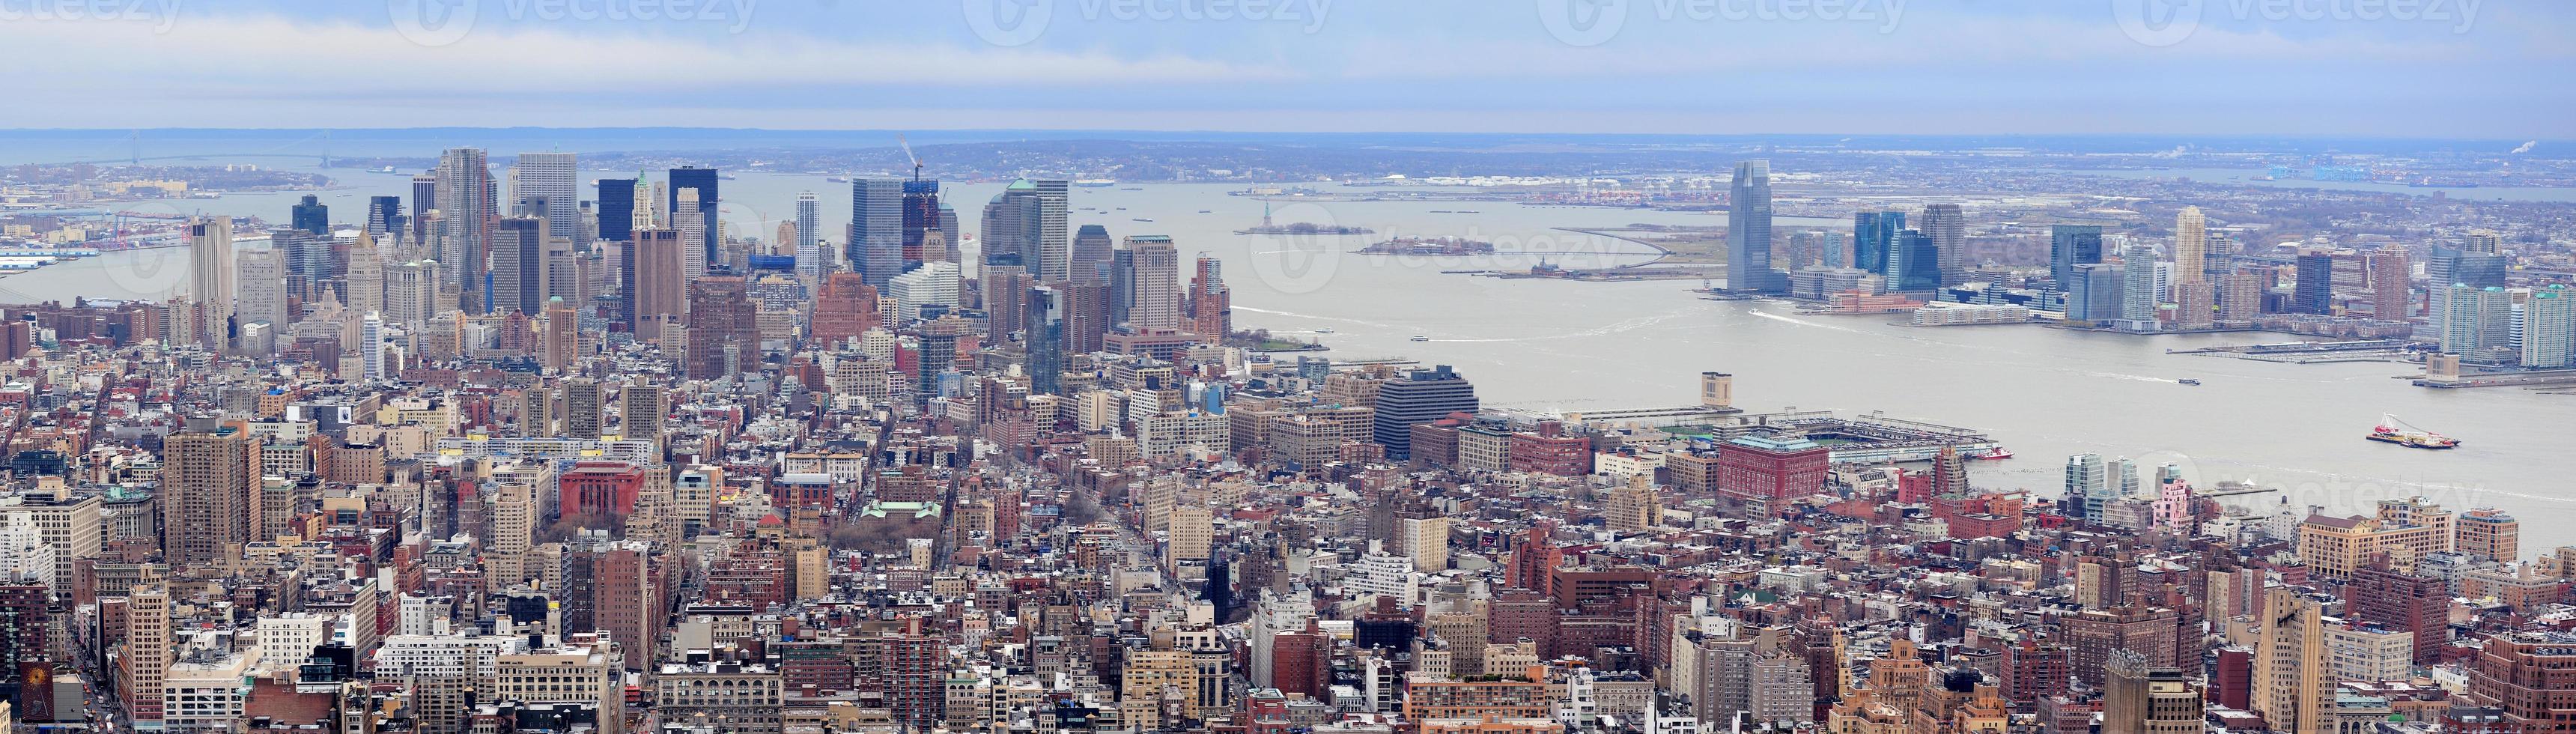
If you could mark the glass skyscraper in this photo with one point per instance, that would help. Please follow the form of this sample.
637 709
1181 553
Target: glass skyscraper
1748 231
1914 263
616 209
704 180
1873 233
875 246
2070 245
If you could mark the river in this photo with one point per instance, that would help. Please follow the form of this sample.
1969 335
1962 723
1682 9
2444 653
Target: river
1558 345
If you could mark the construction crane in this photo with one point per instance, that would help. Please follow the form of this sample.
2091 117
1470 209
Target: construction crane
907 153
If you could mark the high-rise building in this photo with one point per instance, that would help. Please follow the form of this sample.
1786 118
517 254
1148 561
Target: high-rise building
2475 319
1874 239
1091 248
384 217
921 216
2140 290
2417 604
209 492
2240 297
691 221
2195 304
584 401
1420 396
424 197
2491 533
875 244
466 210
549 178
311 216
1948 227
1748 231
724 331
2289 655
2314 291
1044 329
928 291
2088 487
1914 264
2094 296
844 307
1154 283
1054 237
411 292
261 283
656 280
2190 248
518 276
2528 675
1011 226
147 652
2070 245
2141 699
1210 302
210 276
616 209
810 263
703 181
2391 281
2549 328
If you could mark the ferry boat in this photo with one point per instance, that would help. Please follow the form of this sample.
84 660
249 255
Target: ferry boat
2189 381
1422 338
2392 430
1991 454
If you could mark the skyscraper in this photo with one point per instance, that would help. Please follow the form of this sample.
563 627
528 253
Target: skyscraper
311 216
2476 319
1421 396
465 207
690 220
261 283
724 331
2095 294
2190 249
1914 264
1091 248
809 237
2088 487
616 210
1874 237
2070 245
2549 328
2314 291
844 307
1948 228
1054 239
2290 691
930 289
1748 231
1210 303
550 177
2391 281
2141 699
2240 297
1045 314
518 276
385 217
424 197
1154 283
366 276
1011 226
875 244
702 180
2140 293
210 276
921 214
209 491
656 281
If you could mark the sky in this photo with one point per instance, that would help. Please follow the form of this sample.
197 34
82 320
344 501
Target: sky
2484 69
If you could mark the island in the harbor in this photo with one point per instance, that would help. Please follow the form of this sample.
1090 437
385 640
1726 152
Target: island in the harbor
1429 246
1304 228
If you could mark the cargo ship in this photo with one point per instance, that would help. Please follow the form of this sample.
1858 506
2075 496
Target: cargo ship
2392 430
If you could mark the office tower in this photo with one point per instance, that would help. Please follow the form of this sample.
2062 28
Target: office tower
364 276
518 277
1054 238
1914 265
1210 302
921 216
2190 249
1011 226
551 178
703 181
810 264
2390 283
2549 328
210 276
1091 255
209 492
1874 238
311 216
2138 698
926 292
384 216
875 244
261 282
1154 283
616 210
2070 245
2314 292
1748 231
2094 296
1421 396
2088 487
657 278
2450 267
723 329
424 198
2240 297
1044 331
583 400
844 307
640 407
2475 319
1122 285
2290 691
2482 242
690 220
2140 290
560 332
466 211
1001 311
305 254
1086 316
371 345
1948 228
411 292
